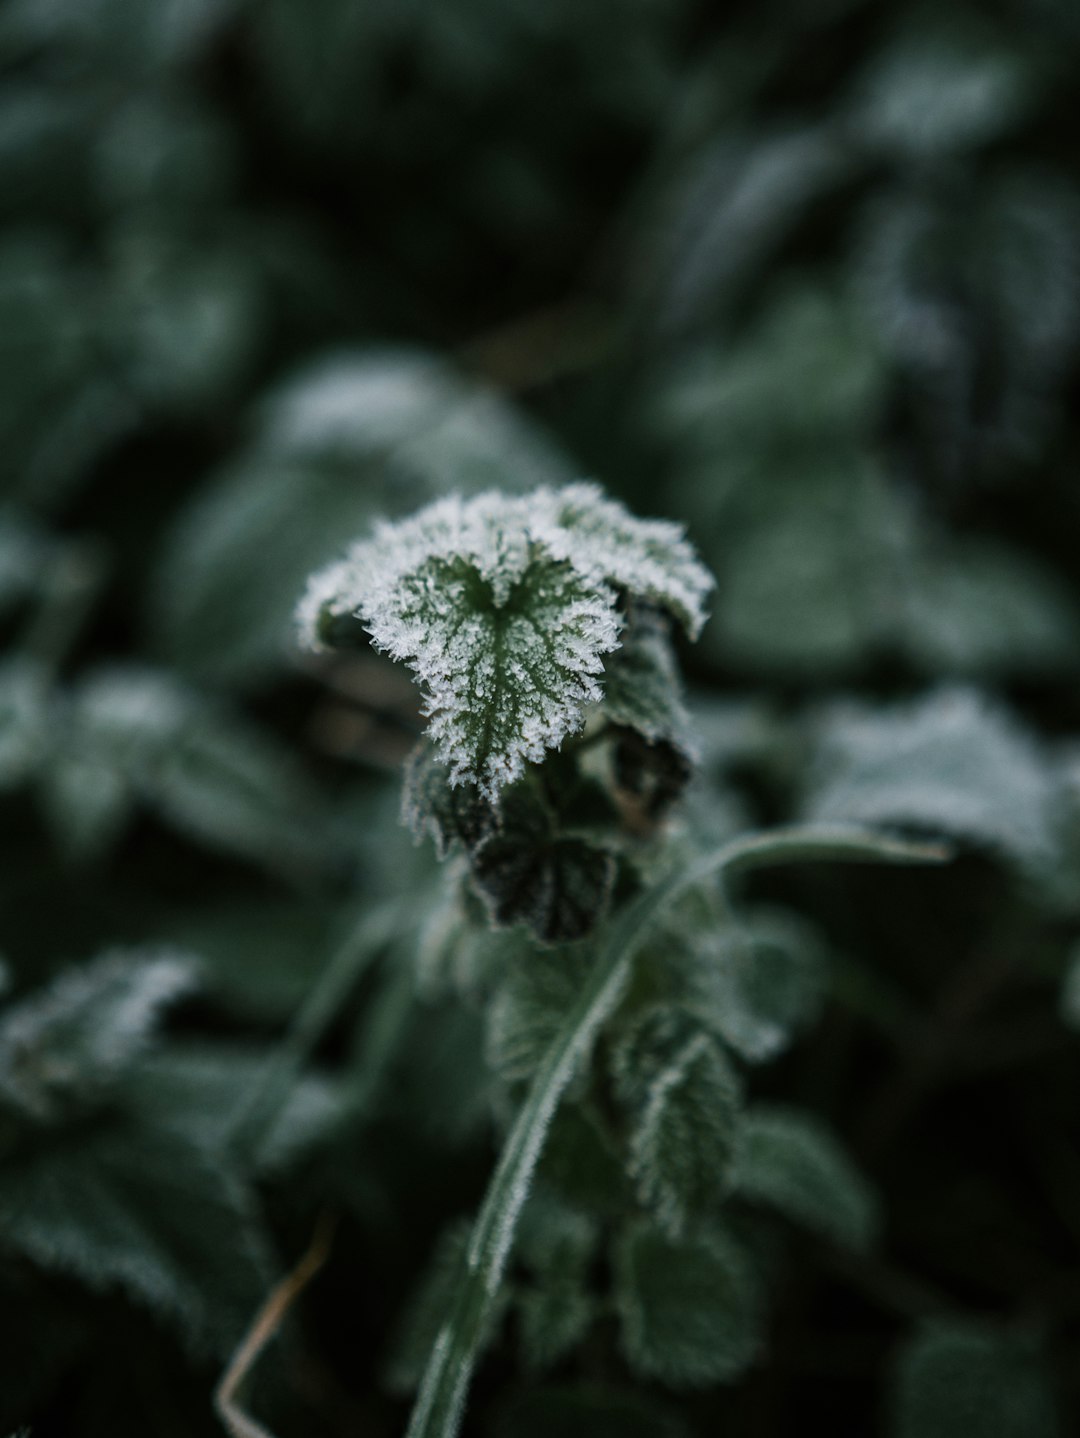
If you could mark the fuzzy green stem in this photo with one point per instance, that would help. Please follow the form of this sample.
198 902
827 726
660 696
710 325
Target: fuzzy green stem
441 1400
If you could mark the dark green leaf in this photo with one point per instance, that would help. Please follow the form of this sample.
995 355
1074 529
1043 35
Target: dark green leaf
689 1309
791 1162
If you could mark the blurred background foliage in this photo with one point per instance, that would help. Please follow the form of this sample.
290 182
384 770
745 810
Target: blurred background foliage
803 276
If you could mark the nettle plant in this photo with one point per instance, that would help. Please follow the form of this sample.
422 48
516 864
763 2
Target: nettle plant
635 1183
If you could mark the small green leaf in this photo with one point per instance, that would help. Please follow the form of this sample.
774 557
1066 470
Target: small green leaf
955 1377
757 986
536 991
526 872
689 1309
554 1318
685 1116
789 1161
643 699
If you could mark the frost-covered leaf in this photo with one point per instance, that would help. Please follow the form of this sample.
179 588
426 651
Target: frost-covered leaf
122 1205
65 1047
689 1309
504 608
955 1377
648 558
952 763
684 1126
348 438
790 1161
139 735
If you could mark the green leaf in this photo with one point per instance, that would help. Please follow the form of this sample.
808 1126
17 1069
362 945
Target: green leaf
759 984
684 1118
65 1048
554 1318
654 752
956 1377
649 559
554 1236
789 1161
689 1309
642 688
123 1205
952 763
536 991
526 872
504 609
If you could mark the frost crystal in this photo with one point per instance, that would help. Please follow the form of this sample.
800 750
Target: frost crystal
504 608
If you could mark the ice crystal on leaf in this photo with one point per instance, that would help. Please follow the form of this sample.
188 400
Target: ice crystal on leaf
504 607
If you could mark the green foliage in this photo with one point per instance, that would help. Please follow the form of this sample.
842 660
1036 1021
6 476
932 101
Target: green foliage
684 1100
951 764
771 1150
790 1162
689 1309
955 1377
66 1049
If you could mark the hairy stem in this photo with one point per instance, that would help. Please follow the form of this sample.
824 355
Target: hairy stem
441 1400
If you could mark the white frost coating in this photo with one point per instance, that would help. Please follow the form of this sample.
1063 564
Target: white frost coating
504 608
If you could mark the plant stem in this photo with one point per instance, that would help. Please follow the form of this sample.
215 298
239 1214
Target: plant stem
441 1400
